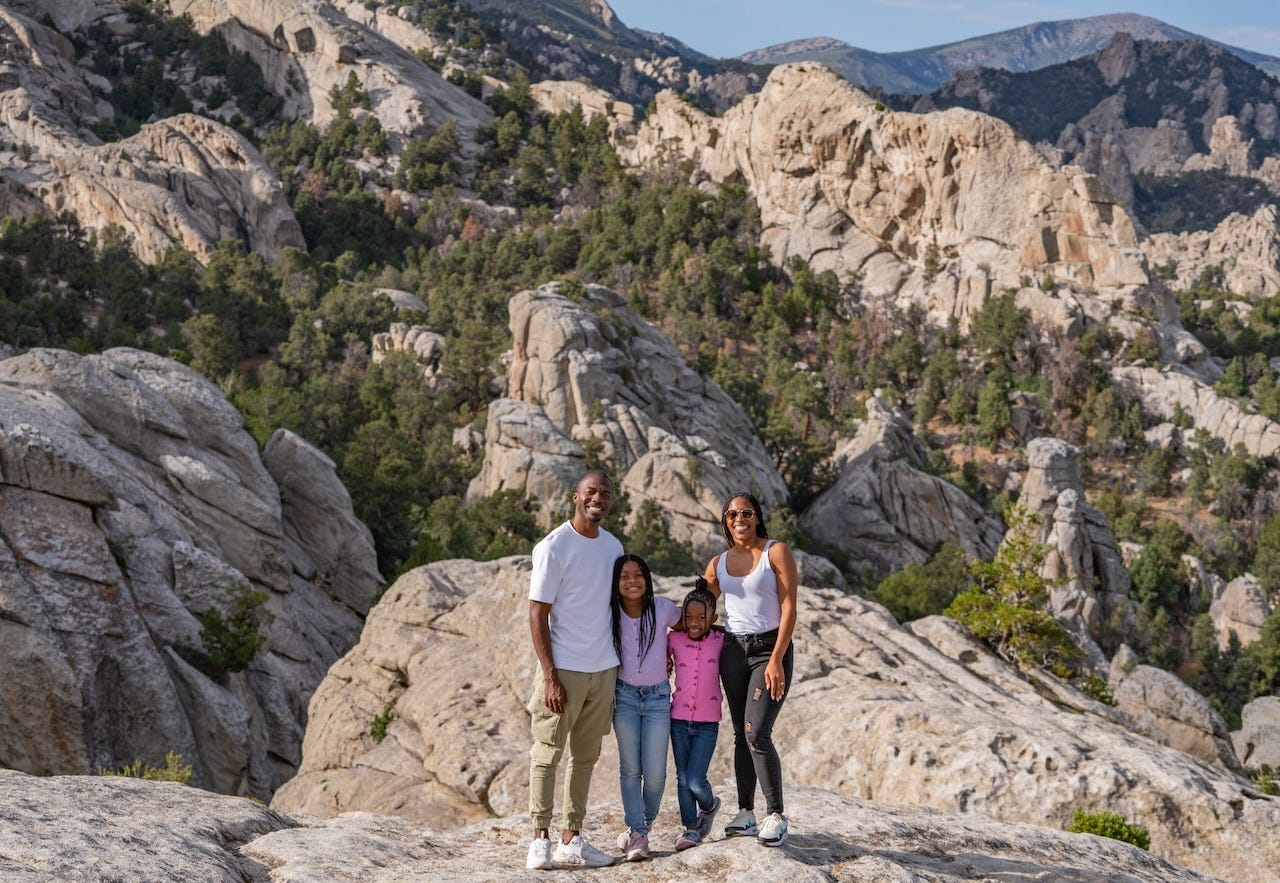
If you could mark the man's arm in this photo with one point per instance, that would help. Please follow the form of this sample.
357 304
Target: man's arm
540 631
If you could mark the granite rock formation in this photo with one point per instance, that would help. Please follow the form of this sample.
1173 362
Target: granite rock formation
81 828
585 370
885 510
923 716
186 180
132 501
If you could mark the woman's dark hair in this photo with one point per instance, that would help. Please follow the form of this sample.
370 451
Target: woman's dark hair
761 530
648 617
699 595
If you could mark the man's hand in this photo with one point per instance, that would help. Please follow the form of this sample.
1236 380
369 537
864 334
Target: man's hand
553 692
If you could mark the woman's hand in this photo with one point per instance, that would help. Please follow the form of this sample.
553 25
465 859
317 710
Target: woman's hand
775 681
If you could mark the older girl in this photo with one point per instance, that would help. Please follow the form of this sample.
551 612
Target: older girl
642 698
756 581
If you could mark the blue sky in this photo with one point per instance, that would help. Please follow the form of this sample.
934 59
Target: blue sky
727 28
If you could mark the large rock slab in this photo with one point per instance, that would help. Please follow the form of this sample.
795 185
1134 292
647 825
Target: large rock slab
1258 741
319 44
1161 391
132 501
81 829
587 371
885 510
920 717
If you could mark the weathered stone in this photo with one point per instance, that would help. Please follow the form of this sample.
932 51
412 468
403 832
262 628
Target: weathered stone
1258 741
81 829
925 717
589 371
1241 608
886 511
132 501
1162 706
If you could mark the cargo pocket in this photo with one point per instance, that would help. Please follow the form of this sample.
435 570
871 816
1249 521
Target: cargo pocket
545 727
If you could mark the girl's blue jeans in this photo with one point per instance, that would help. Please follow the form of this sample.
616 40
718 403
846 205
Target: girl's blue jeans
693 743
641 721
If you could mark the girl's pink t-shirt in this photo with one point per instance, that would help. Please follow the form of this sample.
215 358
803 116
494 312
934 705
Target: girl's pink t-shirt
696 696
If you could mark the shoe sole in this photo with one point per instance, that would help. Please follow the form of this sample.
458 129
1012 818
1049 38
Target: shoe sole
740 832
777 842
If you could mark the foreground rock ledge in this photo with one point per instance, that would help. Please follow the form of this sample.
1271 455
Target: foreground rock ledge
84 828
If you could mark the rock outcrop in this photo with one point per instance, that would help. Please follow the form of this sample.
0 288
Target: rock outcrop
586 371
1159 704
1163 391
319 44
1084 567
81 828
426 346
871 193
561 96
924 717
1245 248
1258 741
186 180
1240 609
132 501
885 510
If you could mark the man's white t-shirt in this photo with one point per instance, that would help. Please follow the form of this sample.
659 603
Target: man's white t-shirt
574 574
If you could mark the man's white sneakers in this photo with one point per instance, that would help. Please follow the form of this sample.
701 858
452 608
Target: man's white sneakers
539 854
579 853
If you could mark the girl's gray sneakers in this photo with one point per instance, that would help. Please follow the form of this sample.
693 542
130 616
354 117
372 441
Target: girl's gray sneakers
743 825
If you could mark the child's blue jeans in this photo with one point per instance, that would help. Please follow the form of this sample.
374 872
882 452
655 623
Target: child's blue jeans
640 721
692 744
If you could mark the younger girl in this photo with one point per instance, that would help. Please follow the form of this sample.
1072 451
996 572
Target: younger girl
642 709
695 713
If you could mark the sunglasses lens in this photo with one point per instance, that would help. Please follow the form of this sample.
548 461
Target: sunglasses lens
733 514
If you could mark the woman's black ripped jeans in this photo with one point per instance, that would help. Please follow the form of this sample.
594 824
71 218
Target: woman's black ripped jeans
742 665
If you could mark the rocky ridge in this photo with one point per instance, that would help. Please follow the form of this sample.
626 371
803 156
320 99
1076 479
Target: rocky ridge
939 209
132 501
919 716
186 180
305 49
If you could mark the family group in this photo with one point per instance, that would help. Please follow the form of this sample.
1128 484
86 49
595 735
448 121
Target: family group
607 648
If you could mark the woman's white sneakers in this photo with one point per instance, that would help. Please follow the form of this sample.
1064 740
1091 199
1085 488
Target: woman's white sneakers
773 830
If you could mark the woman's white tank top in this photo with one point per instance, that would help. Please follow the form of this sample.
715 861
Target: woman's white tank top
750 603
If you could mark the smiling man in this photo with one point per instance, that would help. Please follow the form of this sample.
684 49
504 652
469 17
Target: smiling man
572 702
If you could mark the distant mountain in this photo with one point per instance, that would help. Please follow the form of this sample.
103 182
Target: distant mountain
1021 49
1142 106
585 39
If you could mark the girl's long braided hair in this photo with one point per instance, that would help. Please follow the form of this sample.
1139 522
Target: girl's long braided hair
648 616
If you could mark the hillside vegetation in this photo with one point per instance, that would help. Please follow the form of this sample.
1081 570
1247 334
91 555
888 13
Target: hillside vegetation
537 197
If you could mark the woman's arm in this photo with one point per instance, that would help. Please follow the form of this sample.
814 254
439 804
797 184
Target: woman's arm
713 581
783 564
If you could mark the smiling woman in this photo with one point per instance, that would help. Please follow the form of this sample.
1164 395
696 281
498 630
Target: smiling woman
756 581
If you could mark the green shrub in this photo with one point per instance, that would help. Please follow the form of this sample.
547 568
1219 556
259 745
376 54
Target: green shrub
1096 688
925 589
1109 824
231 641
1265 778
174 770
378 727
